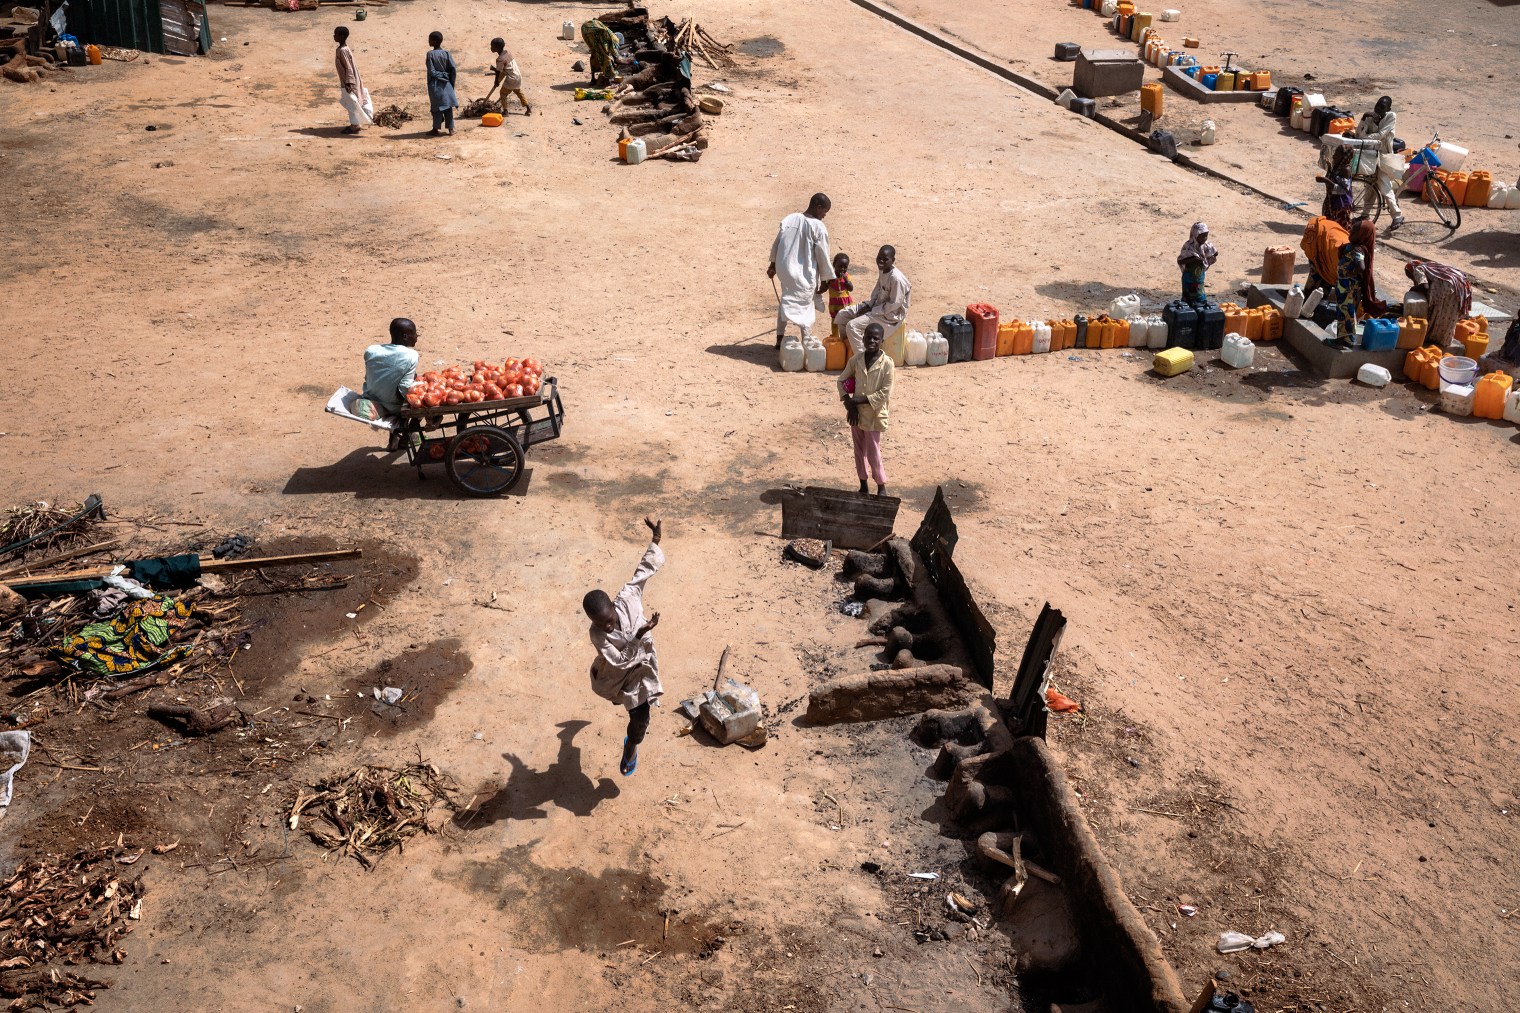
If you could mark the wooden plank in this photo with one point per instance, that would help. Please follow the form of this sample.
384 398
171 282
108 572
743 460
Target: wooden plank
61 557
207 566
848 519
934 542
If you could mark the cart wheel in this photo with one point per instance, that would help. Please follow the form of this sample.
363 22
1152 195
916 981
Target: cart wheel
1366 198
484 461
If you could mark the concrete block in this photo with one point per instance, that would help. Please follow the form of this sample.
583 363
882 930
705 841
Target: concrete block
1103 72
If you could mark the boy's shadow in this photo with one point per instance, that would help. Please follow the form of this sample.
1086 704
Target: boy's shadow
527 791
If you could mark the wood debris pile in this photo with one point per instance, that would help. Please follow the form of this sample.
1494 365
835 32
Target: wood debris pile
370 811
656 102
392 116
693 38
41 528
65 911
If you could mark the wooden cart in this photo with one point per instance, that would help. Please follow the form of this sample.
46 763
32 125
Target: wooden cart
482 446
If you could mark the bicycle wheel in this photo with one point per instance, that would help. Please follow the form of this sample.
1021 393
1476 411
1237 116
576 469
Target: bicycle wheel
1441 201
1366 198
484 461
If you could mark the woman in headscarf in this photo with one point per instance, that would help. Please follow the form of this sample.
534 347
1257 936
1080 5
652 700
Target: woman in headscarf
1322 242
1450 295
1355 292
1197 256
441 72
1337 180
603 45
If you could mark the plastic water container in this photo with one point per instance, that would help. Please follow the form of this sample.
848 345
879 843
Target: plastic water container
1181 321
938 351
814 356
1496 194
1079 340
1457 398
918 349
730 713
1210 326
1293 304
984 325
1139 331
1489 395
1041 336
1311 303
1458 370
1209 133
1512 199
957 331
1124 305
1238 351
1373 376
1066 98
636 151
1512 407
1155 332
837 353
1380 335
567 31
1171 14
1108 8
1172 361
791 355
1452 156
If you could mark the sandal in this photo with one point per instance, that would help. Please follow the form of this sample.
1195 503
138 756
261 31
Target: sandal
627 769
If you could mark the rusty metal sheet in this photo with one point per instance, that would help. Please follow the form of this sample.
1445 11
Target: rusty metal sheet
846 518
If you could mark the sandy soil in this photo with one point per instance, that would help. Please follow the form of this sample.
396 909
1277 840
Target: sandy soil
1287 598
1446 77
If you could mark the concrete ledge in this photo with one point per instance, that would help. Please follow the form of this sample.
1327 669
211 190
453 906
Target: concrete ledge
1198 93
1113 929
1308 339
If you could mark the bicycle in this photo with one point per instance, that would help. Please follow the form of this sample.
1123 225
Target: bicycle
1420 175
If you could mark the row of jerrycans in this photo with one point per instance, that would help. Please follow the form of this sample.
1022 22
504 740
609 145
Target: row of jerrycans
1260 323
1033 337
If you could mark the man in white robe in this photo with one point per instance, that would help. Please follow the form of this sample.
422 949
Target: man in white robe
800 259
887 306
354 97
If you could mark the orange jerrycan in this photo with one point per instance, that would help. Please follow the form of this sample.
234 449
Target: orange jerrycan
1489 395
836 353
1005 337
1023 337
1478 186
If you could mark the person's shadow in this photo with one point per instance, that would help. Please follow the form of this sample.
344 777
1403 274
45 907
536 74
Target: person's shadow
527 791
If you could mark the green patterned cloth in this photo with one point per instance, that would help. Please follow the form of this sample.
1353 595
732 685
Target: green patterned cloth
135 640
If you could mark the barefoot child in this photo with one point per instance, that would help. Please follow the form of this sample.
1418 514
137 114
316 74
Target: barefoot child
840 288
508 77
626 670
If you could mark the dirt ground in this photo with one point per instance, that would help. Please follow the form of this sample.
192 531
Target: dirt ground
1290 610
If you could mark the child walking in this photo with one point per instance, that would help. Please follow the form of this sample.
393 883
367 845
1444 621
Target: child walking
839 289
626 670
508 77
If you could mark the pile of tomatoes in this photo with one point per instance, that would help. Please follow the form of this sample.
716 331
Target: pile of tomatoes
483 382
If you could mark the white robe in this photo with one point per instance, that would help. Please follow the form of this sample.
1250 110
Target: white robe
801 256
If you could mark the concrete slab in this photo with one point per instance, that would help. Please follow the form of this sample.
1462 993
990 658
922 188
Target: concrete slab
1197 92
1311 341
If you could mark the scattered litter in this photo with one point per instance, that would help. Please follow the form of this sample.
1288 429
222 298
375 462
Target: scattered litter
1187 910
1059 703
390 694
923 875
14 749
1236 942
719 87
851 608
960 904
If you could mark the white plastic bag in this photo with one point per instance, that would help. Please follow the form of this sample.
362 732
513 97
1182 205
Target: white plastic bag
1293 303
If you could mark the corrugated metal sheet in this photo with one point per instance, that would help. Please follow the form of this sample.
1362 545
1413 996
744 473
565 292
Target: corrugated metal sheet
179 27
182 26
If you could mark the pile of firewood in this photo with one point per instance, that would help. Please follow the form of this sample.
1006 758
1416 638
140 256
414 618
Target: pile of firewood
372 810
693 38
24 69
65 911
